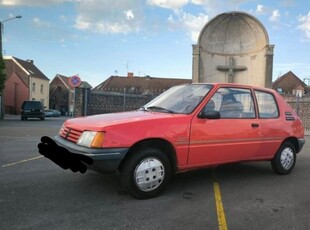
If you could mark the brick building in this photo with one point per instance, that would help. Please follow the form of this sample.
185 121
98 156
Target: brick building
289 83
139 85
62 94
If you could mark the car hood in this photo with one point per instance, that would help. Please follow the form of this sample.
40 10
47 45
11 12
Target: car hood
98 122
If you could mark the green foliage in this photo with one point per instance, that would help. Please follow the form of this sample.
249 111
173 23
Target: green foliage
2 74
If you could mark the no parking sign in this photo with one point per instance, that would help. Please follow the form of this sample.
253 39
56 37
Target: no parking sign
75 81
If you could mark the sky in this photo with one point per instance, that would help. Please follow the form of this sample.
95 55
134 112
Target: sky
95 39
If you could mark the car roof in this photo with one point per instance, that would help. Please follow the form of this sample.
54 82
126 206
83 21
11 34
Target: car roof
222 84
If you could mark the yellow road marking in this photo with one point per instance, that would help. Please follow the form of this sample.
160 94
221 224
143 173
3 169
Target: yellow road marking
22 161
219 207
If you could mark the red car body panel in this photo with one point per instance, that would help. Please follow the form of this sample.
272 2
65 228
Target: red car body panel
199 142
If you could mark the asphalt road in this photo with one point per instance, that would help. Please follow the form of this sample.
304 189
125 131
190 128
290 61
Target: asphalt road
37 194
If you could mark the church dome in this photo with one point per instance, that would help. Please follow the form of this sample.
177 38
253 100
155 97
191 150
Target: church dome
233 33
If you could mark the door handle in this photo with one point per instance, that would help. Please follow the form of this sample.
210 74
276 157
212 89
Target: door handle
255 125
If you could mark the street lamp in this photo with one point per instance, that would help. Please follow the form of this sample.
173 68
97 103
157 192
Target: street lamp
1 30
1 70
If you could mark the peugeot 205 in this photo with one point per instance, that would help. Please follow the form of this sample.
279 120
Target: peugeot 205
187 127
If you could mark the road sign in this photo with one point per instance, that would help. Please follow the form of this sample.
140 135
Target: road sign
75 81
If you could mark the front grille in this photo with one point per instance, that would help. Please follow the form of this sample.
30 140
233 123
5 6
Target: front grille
69 134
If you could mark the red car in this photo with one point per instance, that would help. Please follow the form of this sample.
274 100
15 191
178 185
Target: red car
188 127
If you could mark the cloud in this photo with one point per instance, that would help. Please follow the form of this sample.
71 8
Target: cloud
39 23
170 4
305 24
214 8
198 2
32 3
191 23
260 9
275 16
104 16
129 14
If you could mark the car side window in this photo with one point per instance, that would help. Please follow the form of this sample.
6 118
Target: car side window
232 103
267 106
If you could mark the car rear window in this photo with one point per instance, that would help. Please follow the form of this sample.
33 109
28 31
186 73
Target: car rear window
32 105
267 106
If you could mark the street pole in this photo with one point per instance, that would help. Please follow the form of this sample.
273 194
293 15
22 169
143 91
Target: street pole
2 70
1 30
1 25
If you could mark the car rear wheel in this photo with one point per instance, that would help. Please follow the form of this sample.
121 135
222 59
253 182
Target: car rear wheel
285 159
146 173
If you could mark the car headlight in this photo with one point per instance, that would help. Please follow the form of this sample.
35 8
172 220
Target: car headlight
91 139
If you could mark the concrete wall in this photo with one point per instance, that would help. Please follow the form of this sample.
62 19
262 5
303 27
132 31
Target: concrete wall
233 47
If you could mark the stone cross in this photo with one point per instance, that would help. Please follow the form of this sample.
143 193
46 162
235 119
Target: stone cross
231 69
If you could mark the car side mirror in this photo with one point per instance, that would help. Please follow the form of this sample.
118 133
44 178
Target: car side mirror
210 114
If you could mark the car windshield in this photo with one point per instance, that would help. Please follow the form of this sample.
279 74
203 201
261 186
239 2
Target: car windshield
179 99
32 105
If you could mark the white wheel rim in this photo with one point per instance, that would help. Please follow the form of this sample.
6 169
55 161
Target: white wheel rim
149 174
287 158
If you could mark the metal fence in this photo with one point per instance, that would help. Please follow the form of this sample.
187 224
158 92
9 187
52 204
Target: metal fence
97 102
302 108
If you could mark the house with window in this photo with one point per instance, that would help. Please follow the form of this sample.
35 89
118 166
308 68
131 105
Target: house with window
24 81
289 83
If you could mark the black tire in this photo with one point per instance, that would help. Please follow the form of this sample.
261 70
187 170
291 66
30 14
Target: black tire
285 159
155 173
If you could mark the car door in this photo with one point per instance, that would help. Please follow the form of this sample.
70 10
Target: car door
272 130
233 137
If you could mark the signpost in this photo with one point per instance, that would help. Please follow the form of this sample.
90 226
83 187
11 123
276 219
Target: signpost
74 81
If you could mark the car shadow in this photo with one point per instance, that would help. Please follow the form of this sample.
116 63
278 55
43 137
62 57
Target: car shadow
188 184
200 183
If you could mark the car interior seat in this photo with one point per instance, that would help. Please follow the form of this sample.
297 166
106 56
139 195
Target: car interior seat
231 109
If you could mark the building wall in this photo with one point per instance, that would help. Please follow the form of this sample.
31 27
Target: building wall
15 93
254 75
61 97
11 67
39 90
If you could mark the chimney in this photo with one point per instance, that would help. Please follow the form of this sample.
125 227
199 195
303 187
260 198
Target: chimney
130 74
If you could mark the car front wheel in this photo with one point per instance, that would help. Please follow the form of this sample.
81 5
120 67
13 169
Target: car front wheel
146 173
285 159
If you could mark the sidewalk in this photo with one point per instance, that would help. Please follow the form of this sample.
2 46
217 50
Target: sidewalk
11 117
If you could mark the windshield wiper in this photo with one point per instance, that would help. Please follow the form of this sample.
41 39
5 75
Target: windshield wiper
159 108
142 108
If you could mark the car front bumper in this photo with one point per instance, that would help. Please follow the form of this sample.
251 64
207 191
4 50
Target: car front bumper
106 160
